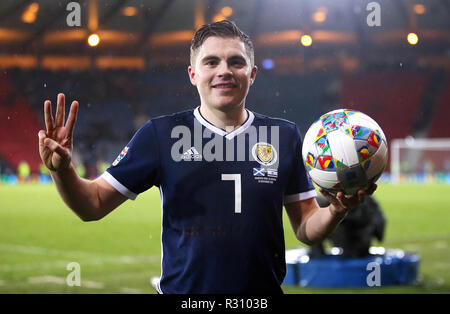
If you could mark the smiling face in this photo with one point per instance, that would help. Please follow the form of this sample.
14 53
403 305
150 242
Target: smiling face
222 71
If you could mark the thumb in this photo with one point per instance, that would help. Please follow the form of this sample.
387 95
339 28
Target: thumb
330 197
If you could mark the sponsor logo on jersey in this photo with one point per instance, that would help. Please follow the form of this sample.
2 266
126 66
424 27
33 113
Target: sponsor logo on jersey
121 155
191 154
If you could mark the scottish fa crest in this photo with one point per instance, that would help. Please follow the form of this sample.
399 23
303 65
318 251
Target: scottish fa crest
264 153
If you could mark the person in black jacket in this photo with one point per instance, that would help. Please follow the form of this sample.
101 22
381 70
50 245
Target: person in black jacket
356 232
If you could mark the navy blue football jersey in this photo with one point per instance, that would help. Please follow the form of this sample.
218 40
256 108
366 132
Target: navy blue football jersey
222 195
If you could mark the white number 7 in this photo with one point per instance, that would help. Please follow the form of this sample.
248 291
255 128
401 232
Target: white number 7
237 189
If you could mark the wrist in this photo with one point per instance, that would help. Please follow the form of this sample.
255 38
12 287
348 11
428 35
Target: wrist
64 171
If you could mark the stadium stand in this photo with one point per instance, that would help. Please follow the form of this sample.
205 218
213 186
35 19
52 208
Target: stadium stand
390 98
106 119
298 98
115 103
19 127
441 114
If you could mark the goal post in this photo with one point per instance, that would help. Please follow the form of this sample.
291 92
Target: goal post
420 160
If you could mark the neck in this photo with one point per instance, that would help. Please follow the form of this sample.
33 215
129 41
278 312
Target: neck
227 120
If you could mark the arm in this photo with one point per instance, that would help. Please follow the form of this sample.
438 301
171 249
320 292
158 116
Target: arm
90 200
312 224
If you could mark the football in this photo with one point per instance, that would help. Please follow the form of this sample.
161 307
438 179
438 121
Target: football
344 150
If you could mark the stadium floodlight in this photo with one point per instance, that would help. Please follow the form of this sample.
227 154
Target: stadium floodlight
226 11
412 38
268 64
320 15
306 40
29 15
129 11
419 9
419 159
93 40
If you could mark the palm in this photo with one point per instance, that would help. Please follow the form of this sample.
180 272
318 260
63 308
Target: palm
60 136
56 143
343 203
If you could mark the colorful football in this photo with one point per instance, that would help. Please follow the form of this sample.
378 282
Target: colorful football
345 150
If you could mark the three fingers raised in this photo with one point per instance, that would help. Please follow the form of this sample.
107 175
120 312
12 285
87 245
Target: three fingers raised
60 115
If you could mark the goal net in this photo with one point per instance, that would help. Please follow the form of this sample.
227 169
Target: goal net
424 160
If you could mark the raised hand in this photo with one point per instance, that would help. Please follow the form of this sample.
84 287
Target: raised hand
341 204
56 143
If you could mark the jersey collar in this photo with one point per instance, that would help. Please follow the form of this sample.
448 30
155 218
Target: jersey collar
220 131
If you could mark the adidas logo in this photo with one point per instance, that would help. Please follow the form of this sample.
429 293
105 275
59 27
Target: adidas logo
191 154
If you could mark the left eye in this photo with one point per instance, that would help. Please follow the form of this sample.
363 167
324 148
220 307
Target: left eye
237 63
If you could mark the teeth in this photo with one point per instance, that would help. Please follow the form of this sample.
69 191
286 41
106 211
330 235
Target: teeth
224 86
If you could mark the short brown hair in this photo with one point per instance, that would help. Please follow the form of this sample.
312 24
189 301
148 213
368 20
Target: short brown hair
223 29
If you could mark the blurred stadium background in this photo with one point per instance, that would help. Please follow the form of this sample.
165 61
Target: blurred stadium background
313 56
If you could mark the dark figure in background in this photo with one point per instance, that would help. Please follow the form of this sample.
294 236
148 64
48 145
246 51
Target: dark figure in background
355 233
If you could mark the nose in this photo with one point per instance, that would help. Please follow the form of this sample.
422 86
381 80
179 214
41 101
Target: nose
224 70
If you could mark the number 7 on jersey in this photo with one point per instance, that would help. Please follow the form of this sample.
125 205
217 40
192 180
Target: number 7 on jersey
237 189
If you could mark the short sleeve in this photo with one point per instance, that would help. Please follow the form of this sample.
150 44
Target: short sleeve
300 186
136 169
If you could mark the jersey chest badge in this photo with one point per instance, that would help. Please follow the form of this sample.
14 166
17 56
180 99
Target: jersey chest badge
264 153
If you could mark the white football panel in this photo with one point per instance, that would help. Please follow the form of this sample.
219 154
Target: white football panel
343 148
335 111
325 179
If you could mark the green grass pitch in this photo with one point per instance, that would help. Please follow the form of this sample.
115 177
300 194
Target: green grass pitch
40 236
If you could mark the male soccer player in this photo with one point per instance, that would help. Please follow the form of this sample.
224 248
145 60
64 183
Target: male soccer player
224 174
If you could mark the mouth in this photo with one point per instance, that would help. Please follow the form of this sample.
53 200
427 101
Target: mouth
224 86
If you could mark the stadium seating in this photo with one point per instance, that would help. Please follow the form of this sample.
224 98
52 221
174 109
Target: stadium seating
390 98
18 128
105 122
439 125
295 98
114 103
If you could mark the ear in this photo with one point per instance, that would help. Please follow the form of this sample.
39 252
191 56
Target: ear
191 72
253 74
